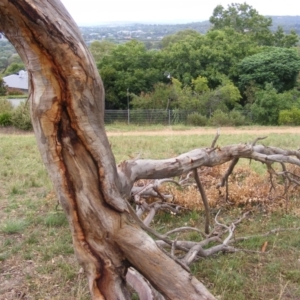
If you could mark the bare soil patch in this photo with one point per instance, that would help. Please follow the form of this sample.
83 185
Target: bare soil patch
169 131
13 130
211 131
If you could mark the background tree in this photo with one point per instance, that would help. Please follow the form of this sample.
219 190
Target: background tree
2 87
268 104
129 66
200 85
281 39
3 63
179 36
279 66
99 49
245 19
14 68
212 55
162 97
198 98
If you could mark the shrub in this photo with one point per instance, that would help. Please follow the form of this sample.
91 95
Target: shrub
5 119
237 118
19 96
5 106
268 103
21 117
219 118
196 119
289 117
15 92
233 118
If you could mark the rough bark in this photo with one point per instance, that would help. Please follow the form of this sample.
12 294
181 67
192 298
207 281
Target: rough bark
66 98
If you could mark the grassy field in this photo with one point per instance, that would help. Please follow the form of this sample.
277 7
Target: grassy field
36 254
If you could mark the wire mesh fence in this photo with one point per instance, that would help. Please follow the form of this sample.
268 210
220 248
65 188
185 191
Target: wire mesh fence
152 116
147 116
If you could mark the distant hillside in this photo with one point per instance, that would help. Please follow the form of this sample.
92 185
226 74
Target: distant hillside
153 33
287 23
143 32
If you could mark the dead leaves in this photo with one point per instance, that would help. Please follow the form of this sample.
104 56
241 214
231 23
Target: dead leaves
246 189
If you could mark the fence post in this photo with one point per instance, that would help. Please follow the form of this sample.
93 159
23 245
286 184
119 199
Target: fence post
169 117
128 116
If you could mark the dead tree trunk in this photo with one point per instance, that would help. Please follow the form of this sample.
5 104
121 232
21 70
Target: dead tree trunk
66 98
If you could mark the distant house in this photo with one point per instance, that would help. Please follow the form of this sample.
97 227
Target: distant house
17 81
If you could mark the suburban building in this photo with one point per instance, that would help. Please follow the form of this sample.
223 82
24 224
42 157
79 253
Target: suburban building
17 81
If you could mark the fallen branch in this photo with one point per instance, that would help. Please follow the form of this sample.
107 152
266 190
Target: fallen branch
204 199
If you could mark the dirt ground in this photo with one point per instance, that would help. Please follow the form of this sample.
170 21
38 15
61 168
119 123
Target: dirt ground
170 131
204 130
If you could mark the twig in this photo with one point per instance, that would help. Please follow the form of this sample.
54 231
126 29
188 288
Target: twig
228 172
230 228
173 248
185 229
258 139
215 139
241 218
273 231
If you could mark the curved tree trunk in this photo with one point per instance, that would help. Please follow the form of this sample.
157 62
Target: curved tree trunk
66 97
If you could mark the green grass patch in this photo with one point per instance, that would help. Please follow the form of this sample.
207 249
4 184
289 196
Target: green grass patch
56 220
11 226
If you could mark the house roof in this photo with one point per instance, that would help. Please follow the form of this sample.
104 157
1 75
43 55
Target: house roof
17 81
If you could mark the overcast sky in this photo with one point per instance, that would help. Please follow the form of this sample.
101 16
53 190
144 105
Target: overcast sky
86 12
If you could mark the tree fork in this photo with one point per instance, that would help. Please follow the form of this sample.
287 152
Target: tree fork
66 97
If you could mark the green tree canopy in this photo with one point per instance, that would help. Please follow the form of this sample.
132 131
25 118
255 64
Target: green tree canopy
212 55
130 67
14 68
2 87
268 104
200 85
99 49
177 96
15 59
279 66
281 39
245 19
162 97
179 36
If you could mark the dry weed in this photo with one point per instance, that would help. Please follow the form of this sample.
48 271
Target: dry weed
246 189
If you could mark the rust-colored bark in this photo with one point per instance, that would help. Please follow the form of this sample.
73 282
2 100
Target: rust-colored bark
66 99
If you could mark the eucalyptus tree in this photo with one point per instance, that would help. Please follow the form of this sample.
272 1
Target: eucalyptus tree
66 96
